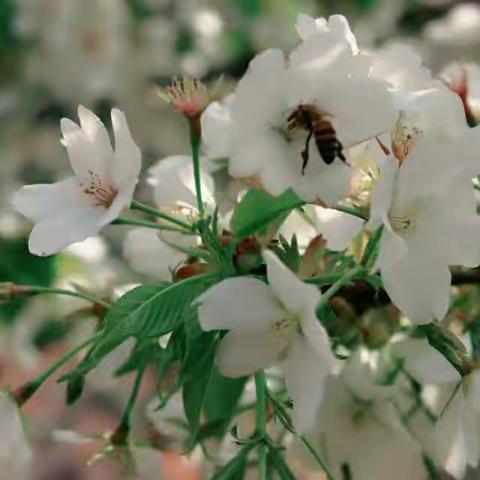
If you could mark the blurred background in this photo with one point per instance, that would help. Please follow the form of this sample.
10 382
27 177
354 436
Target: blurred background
56 54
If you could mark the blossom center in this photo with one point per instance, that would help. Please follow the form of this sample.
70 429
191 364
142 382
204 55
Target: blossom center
402 224
103 193
404 138
188 96
285 330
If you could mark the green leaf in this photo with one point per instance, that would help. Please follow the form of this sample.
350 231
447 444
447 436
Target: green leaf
222 396
449 345
258 209
145 351
288 252
146 311
327 316
204 388
75 389
218 253
235 468
194 391
197 365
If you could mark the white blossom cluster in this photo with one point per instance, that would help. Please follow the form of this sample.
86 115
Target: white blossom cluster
347 131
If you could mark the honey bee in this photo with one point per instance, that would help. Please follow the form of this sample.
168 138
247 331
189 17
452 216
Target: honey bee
307 117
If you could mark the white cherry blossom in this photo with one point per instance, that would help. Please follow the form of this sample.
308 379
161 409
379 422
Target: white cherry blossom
173 182
428 211
151 253
268 325
401 66
336 28
266 139
104 180
453 441
426 202
358 430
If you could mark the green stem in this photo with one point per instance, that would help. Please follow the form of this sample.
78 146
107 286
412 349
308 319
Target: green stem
37 290
321 281
261 422
27 390
122 432
371 250
262 461
318 458
261 417
342 281
280 465
145 223
195 144
157 213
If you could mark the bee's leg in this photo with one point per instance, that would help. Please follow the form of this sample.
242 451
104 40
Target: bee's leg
340 154
305 151
305 160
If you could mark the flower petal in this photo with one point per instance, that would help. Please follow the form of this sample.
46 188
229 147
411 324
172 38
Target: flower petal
54 234
258 97
329 183
238 304
173 180
296 296
150 256
41 201
382 194
337 227
244 353
216 130
454 441
96 133
83 157
127 159
305 376
424 363
296 224
353 97
308 26
317 338
419 286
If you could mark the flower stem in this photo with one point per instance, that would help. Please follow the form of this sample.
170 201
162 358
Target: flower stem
145 223
261 422
121 434
157 213
317 457
195 137
37 290
342 281
371 250
28 389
